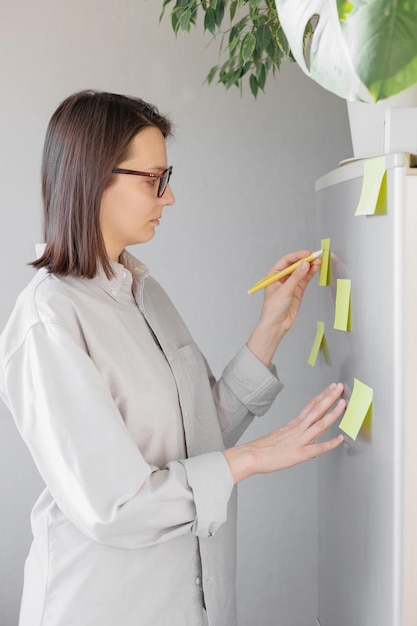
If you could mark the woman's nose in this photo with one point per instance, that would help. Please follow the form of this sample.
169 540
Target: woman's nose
168 198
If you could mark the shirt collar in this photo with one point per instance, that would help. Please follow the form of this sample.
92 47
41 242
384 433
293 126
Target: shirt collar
128 272
133 265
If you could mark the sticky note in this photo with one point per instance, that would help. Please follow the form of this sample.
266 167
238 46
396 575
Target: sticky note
342 314
319 344
373 198
325 274
359 409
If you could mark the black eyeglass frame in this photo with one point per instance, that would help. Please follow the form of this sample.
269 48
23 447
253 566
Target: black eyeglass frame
163 177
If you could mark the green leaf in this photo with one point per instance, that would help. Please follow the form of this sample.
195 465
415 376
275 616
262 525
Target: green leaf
253 83
282 42
219 12
210 21
248 46
233 7
254 7
263 37
261 75
245 68
272 50
185 20
166 2
233 44
232 79
175 20
212 74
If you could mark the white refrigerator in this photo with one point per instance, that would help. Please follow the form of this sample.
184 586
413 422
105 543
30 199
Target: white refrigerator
368 486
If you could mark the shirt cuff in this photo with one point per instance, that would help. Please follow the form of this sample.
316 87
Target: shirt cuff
212 483
252 382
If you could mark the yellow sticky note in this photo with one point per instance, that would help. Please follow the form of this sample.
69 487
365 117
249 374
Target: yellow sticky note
325 274
319 344
342 314
373 199
358 410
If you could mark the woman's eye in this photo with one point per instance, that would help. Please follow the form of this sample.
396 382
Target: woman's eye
153 181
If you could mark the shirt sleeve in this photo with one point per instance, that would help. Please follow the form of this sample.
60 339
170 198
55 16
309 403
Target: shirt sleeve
87 458
247 388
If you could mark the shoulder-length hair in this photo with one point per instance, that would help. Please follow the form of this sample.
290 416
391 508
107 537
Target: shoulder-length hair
87 136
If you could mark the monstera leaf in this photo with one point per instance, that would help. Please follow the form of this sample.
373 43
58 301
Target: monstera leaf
360 49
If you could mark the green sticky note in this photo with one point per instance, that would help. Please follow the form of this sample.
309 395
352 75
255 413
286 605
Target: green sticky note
342 314
319 344
373 199
359 409
325 274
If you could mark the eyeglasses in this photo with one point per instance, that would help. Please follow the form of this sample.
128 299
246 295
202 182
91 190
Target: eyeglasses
163 178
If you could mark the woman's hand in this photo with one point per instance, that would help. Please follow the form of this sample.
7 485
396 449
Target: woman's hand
281 302
282 299
294 443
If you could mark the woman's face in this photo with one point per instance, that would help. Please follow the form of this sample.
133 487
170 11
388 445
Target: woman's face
130 209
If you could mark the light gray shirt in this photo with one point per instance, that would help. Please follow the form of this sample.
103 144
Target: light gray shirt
126 425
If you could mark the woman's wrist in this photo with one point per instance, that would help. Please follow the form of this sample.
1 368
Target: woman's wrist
264 341
242 461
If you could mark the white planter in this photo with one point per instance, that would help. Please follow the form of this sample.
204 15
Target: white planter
367 123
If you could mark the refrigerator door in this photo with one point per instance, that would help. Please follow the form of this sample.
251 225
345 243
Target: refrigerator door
361 484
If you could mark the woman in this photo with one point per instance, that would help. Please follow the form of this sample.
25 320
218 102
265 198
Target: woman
133 437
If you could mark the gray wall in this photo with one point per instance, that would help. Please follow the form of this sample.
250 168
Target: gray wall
244 179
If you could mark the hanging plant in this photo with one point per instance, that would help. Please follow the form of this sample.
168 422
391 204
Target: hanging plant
253 44
357 49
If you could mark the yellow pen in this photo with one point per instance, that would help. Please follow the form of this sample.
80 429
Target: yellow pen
272 278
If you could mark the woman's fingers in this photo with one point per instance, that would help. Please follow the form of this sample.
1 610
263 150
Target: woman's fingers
302 272
318 428
292 286
288 259
320 404
316 449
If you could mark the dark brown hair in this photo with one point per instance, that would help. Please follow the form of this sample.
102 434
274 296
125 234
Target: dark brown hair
88 135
